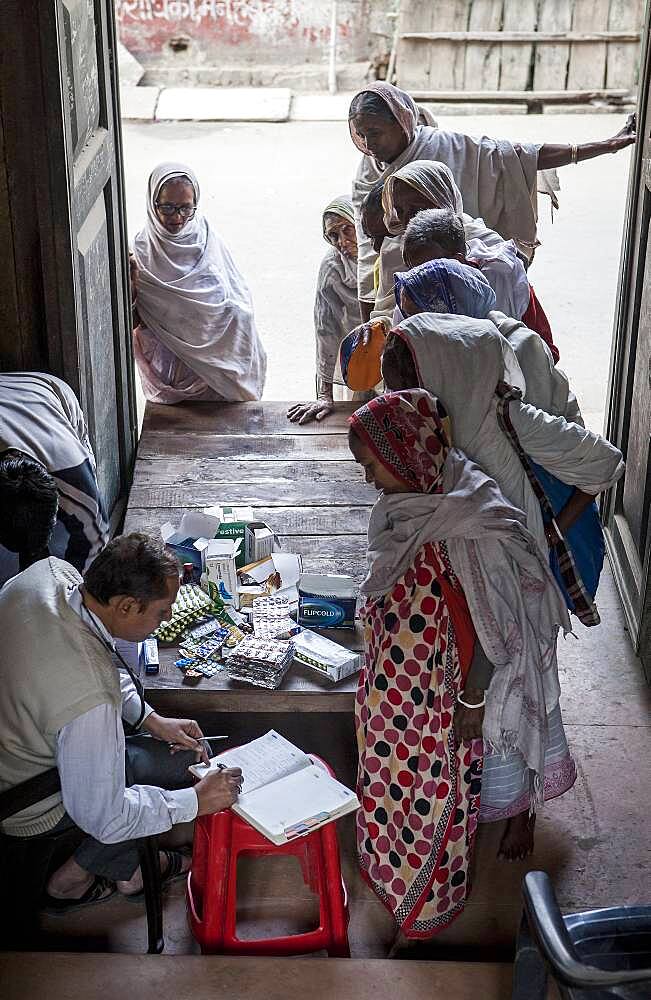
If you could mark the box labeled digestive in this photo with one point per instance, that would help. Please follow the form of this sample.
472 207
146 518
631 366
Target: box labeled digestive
326 601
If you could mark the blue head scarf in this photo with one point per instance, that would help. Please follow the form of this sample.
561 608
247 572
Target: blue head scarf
446 286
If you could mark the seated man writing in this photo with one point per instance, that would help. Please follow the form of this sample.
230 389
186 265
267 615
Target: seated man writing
62 701
45 458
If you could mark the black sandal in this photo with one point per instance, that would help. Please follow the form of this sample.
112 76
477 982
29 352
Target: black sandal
96 893
173 872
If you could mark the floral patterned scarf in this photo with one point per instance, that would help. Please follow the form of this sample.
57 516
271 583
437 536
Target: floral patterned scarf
409 432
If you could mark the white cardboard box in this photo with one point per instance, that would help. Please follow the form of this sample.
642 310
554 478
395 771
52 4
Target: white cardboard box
218 563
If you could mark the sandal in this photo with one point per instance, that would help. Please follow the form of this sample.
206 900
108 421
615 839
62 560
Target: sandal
99 891
173 872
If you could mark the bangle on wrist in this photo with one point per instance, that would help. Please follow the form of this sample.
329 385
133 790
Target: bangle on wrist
460 701
574 154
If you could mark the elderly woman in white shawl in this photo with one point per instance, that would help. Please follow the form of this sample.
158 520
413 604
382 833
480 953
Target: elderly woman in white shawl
498 179
448 286
336 309
462 360
196 338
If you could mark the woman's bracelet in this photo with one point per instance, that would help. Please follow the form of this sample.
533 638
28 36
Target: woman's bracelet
465 704
574 154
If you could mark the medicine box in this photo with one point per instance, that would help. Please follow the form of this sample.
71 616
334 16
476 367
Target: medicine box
218 557
232 523
326 601
327 658
258 542
181 539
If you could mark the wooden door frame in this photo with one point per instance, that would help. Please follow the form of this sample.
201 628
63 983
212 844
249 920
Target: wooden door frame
635 593
35 219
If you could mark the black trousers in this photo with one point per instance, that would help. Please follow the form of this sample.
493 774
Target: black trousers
148 762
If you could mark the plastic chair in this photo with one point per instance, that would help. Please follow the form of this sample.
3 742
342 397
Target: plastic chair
595 955
25 861
219 840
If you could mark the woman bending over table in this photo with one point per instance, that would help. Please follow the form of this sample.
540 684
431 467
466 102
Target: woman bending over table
462 361
447 286
461 609
498 179
196 338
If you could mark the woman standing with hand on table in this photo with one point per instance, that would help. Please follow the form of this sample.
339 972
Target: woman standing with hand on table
336 309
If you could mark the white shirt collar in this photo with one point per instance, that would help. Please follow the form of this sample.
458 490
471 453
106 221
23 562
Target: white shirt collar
76 602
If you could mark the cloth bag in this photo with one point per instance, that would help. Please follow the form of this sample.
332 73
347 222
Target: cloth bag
577 558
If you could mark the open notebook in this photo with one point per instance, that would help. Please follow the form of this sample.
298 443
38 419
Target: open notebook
284 794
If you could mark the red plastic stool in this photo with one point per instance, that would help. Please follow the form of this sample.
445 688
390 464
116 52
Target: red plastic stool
219 839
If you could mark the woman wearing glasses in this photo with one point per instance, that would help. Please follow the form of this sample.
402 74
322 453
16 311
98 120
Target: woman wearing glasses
195 337
336 308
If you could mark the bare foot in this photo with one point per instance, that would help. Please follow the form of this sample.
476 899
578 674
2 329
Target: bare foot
517 841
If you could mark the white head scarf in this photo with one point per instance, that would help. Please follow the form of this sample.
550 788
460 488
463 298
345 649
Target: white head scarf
343 207
194 299
430 178
460 360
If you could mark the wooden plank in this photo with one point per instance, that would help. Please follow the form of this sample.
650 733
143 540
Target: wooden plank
521 37
152 472
622 59
446 59
518 96
412 60
550 63
244 448
273 493
60 976
240 418
515 69
587 66
344 520
482 62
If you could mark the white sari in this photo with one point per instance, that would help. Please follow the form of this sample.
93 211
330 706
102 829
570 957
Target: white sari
497 184
461 360
198 339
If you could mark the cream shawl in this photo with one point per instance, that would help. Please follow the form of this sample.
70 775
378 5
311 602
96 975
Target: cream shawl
194 299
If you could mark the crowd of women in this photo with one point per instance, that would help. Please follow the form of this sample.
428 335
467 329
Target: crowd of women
485 536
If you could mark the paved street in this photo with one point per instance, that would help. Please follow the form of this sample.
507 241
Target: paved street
264 187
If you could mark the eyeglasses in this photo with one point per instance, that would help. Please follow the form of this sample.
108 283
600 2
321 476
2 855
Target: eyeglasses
185 211
347 230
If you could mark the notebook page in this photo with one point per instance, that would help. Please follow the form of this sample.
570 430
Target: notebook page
263 760
294 799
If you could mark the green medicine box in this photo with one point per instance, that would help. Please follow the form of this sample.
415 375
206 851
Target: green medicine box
232 524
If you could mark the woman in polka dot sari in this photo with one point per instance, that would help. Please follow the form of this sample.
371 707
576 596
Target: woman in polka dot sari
418 784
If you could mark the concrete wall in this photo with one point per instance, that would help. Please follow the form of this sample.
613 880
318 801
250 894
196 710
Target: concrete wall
184 33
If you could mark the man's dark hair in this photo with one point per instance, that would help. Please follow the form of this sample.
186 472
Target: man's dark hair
135 565
28 506
373 201
434 226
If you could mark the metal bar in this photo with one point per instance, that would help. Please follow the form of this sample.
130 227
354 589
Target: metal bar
332 62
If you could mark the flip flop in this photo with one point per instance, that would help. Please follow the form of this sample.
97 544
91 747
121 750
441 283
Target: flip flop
96 893
173 872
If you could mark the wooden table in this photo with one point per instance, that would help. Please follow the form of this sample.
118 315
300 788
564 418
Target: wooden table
301 480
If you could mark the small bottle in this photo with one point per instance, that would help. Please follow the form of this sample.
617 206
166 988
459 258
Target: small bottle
188 573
